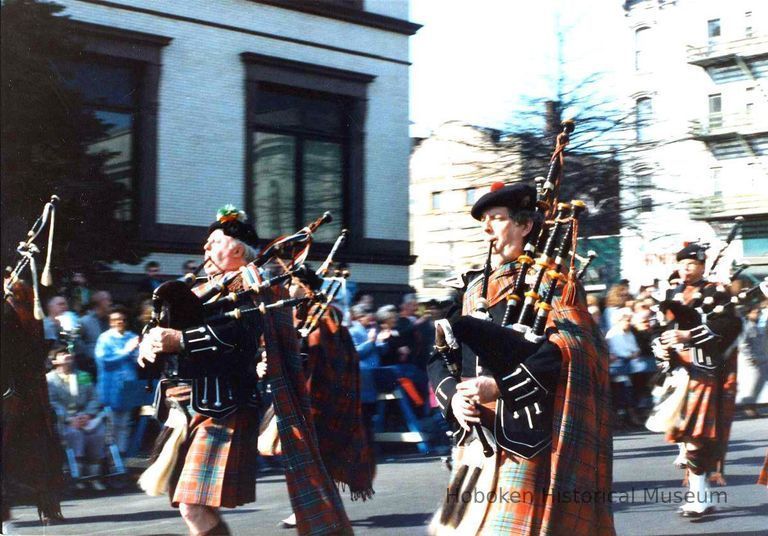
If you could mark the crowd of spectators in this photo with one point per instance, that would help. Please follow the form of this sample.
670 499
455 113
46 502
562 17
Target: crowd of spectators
395 342
630 323
93 368
95 343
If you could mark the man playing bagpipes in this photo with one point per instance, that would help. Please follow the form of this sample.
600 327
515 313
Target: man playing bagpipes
332 370
700 340
544 406
213 397
32 453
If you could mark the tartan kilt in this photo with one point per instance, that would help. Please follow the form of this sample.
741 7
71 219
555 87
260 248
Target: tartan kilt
708 409
217 465
528 480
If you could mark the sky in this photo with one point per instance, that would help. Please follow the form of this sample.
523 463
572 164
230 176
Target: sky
478 60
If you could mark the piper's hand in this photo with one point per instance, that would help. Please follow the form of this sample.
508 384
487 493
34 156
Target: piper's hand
675 336
479 390
159 340
261 369
464 411
146 353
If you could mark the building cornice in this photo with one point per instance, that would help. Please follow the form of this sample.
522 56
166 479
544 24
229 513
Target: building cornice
240 29
347 14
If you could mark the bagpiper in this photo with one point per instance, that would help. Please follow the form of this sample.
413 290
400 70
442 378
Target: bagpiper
208 459
700 341
543 408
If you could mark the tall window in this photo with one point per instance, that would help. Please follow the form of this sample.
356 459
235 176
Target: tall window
641 48
643 115
299 148
749 101
713 29
437 200
645 191
748 24
471 195
717 186
112 92
715 110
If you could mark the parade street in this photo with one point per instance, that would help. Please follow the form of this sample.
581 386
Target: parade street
409 488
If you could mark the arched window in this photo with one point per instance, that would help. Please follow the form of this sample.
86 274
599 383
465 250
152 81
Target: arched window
642 39
643 115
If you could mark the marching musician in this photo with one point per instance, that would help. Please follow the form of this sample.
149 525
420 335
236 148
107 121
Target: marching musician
32 455
707 351
332 371
216 462
558 441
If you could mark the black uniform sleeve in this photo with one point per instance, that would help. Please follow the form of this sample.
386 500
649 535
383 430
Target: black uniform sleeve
443 383
213 349
533 379
716 336
717 333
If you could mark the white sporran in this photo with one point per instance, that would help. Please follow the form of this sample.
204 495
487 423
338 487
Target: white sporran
671 397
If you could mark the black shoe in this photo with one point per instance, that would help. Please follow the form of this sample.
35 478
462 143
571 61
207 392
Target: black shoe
221 529
697 515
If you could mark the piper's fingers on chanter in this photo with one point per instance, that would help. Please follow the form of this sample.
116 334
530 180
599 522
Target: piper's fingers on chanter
464 411
468 388
469 408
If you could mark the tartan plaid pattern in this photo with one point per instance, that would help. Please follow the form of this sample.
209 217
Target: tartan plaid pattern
500 284
218 464
582 444
528 478
333 381
314 497
708 410
580 460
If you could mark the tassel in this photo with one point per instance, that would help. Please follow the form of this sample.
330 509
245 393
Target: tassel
156 479
38 306
570 296
47 280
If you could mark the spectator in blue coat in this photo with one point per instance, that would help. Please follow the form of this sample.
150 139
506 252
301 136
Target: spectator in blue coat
363 332
116 353
92 325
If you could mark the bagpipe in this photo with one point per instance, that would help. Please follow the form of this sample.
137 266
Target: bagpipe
320 297
672 313
22 309
503 347
27 249
187 302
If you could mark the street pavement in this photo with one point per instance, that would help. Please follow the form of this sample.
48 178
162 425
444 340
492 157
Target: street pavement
409 488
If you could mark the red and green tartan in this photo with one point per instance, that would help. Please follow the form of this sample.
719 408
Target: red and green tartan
314 497
707 415
333 381
219 461
580 460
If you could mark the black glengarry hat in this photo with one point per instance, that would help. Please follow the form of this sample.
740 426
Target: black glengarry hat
235 223
697 252
307 275
516 196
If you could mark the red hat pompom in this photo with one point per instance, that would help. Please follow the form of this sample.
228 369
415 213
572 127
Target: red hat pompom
497 186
